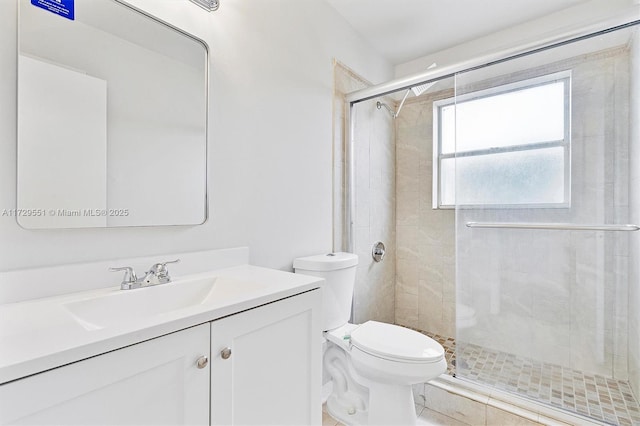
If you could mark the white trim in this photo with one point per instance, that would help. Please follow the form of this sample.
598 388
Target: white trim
563 77
540 80
626 19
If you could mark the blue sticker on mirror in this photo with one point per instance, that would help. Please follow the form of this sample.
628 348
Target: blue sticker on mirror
63 8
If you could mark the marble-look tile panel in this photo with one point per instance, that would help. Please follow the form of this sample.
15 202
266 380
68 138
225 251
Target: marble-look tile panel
498 417
406 313
418 394
407 243
432 418
455 406
408 165
430 310
407 277
375 199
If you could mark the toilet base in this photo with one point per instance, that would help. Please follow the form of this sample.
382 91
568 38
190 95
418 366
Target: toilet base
356 400
348 400
391 405
388 405
346 415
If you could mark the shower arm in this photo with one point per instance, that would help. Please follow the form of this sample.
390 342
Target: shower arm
402 103
381 105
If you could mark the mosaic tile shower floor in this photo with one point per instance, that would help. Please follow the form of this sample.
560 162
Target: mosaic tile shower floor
599 397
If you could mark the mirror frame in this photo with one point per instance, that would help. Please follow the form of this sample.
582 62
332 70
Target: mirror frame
207 110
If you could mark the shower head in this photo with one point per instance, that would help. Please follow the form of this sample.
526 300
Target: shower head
419 90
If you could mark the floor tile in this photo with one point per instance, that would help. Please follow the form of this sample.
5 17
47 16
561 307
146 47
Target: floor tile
602 398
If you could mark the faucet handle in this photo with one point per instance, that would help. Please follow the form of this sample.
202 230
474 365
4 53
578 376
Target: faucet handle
160 269
129 275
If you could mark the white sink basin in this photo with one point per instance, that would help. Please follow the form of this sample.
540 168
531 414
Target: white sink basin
127 306
41 334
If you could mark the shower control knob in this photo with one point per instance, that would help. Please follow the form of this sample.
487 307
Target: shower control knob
202 362
225 353
378 251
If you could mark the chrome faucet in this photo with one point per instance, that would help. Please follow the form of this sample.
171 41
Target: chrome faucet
157 274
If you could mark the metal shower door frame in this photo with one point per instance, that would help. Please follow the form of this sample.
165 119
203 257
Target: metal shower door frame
435 74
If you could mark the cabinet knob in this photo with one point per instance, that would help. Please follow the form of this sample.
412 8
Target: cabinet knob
225 353
202 361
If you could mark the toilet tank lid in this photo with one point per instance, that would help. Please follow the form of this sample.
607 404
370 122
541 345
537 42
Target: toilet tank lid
326 262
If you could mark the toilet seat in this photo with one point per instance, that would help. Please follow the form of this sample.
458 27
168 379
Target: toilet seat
396 343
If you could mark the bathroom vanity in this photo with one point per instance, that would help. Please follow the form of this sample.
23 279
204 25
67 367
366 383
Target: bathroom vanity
238 345
225 342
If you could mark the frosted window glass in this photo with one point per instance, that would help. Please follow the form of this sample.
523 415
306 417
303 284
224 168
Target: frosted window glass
534 114
520 177
448 182
505 146
448 128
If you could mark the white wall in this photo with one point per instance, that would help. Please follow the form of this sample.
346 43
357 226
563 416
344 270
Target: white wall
270 150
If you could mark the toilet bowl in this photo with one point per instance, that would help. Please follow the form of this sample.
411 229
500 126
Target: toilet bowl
372 365
387 360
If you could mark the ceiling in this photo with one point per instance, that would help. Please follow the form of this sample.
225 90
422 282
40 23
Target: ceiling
402 30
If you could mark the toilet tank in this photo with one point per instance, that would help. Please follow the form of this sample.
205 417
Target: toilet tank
339 272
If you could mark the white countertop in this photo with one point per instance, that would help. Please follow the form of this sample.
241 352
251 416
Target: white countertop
42 334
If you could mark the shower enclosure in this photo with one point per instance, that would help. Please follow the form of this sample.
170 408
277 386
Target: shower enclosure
541 187
517 207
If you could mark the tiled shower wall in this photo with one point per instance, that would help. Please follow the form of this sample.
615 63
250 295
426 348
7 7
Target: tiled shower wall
425 282
375 197
562 312
560 296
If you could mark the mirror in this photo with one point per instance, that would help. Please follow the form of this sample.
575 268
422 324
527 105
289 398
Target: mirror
112 118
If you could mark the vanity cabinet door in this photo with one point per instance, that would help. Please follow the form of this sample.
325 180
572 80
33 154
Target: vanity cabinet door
266 364
156 382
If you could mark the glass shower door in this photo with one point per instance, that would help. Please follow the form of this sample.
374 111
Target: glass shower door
533 154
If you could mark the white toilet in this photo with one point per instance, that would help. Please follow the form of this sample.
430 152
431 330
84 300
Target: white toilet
372 365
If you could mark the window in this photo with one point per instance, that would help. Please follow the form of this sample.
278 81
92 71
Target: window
508 146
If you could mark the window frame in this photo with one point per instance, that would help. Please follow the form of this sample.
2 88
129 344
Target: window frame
565 143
